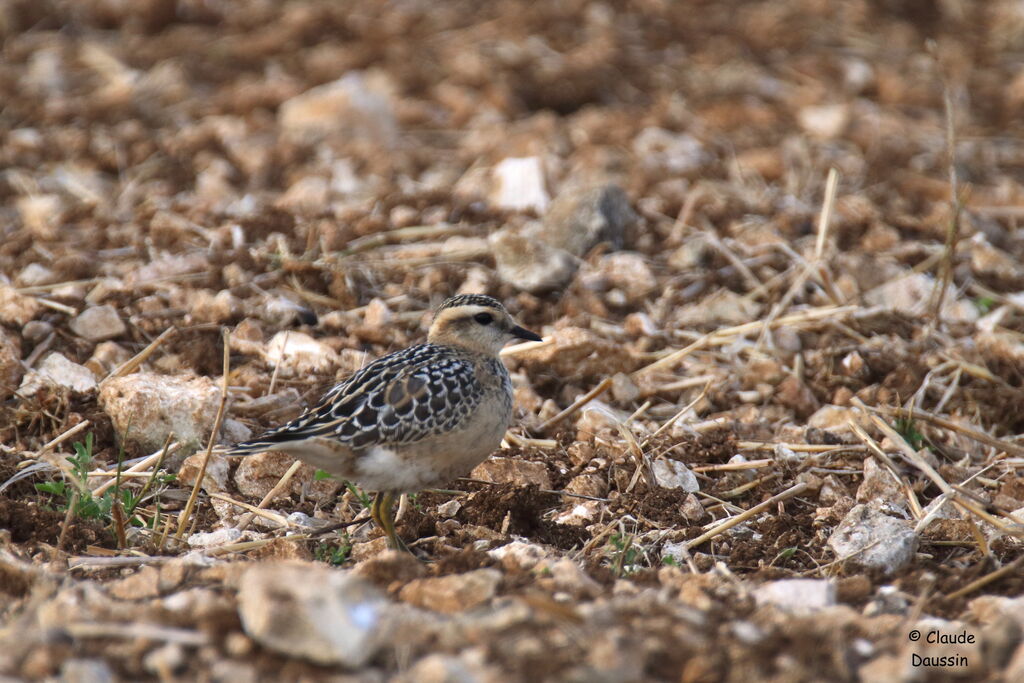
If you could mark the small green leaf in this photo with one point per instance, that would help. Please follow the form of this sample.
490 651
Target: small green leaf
320 475
56 488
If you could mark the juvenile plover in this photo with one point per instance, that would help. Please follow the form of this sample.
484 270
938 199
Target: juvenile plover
416 418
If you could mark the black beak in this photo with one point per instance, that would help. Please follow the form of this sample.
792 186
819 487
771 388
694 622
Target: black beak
524 333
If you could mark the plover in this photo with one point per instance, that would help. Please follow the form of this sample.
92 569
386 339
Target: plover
416 418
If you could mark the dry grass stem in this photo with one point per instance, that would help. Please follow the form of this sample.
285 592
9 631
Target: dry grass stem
583 400
278 489
748 514
132 364
269 515
978 584
190 504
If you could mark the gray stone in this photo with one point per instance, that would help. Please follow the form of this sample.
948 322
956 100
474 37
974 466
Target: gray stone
98 323
529 264
797 595
673 474
580 219
870 539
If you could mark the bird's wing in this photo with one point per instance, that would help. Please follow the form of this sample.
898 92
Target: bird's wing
398 399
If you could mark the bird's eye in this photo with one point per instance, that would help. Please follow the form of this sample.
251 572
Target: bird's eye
484 318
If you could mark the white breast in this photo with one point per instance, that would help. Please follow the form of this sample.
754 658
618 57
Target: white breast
381 469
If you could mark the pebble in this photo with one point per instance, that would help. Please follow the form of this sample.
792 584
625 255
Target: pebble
453 593
11 369
580 219
304 610
298 354
529 264
500 470
672 474
357 106
797 596
98 323
873 540
146 407
880 485
57 370
212 539
519 185
16 309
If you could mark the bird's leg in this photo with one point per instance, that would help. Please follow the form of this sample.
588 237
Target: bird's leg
382 512
378 498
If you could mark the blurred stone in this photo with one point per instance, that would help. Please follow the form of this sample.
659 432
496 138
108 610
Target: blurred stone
528 264
628 273
259 473
824 121
887 600
42 214
798 596
98 323
672 474
445 668
580 219
106 357
164 660
661 150
86 671
873 540
142 585
215 478
216 538
588 484
453 593
724 307
516 471
519 555
35 274
519 185
56 370
309 195
357 105
11 369
298 354
16 309
794 394
145 408
303 610
449 509
912 294
880 485
205 306
388 567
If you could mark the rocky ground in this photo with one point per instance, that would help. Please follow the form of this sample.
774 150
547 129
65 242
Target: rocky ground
773 432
